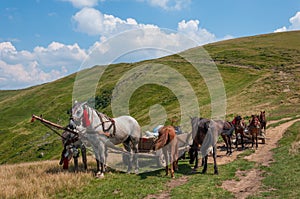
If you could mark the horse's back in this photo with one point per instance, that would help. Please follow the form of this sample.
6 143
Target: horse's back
129 125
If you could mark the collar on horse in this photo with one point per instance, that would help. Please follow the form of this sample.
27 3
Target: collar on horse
112 125
87 122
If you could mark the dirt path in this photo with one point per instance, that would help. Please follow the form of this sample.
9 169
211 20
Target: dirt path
249 181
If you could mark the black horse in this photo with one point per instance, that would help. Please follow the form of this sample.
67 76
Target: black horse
205 133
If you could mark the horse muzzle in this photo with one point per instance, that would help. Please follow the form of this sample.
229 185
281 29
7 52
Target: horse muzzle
74 122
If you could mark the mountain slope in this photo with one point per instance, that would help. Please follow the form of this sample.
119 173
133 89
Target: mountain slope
259 73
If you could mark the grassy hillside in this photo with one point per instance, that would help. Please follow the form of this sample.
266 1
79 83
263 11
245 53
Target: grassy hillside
259 73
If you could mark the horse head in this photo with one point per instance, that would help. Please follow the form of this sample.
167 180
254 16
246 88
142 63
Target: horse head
78 114
262 116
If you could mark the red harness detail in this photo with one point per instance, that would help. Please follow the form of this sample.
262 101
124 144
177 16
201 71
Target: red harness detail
86 121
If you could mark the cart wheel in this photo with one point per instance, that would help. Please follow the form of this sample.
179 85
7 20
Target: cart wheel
160 158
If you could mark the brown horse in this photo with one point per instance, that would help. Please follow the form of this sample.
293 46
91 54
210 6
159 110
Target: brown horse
167 140
228 128
254 129
239 128
263 121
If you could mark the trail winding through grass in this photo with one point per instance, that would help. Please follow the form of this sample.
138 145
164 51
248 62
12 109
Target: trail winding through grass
249 181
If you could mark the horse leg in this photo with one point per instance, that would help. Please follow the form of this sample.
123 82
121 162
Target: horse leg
75 164
100 158
196 160
62 157
236 140
205 164
228 146
242 140
98 171
229 143
253 139
216 172
225 138
256 139
135 148
84 160
165 152
127 147
176 165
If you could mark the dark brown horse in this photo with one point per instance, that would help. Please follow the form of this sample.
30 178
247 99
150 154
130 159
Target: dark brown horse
263 121
228 128
205 132
167 141
239 128
254 129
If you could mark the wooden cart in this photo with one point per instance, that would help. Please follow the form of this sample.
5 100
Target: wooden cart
146 147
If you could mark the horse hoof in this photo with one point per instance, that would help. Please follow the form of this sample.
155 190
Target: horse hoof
100 175
136 171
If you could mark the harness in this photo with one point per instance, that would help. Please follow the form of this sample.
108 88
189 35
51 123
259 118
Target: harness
112 124
102 122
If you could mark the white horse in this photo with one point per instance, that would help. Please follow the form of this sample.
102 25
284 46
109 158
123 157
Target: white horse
101 131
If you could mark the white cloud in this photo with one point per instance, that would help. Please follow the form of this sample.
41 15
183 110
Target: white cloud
295 24
120 40
118 35
93 22
193 31
83 3
19 69
169 4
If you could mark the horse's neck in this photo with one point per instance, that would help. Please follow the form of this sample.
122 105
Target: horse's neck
94 118
241 124
262 117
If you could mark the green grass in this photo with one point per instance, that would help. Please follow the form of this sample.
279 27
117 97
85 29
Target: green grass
282 177
121 185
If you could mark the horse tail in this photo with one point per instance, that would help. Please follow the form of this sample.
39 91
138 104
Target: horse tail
162 139
166 135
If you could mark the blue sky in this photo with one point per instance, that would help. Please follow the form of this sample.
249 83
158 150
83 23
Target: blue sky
43 40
